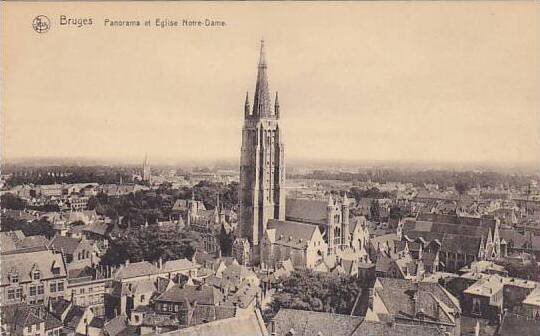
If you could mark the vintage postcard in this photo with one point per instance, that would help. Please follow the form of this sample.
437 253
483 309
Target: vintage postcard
283 168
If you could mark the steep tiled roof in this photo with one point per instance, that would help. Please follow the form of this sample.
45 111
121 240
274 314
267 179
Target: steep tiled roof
115 326
513 325
205 314
306 210
205 295
371 328
310 323
250 324
23 263
136 269
66 244
405 299
292 233
179 265
97 228
15 242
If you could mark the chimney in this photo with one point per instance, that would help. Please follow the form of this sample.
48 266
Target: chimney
160 263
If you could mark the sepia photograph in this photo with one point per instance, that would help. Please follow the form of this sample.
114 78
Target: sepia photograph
280 168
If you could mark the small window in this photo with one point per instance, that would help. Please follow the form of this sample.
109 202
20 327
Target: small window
18 293
14 278
11 294
40 289
33 290
52 287
37 275
60 286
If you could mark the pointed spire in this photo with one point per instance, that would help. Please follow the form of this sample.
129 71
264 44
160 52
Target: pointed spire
276 105
247 108
261 100
262 55
330 201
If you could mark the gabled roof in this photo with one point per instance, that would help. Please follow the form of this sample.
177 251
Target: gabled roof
406 299
205 295
292 233
179 265
133 270
115 326
310 323
513 325
246 324
16 241
306 210
23 263
372 328
65 244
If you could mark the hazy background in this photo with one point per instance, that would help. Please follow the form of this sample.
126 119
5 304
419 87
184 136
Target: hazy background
357 81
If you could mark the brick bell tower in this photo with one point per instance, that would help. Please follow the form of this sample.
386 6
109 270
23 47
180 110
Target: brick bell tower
262 166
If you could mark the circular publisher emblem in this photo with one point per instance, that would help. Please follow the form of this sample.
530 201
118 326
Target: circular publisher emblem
41 24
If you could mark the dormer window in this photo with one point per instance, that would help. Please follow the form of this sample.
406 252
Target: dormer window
14 277
36 275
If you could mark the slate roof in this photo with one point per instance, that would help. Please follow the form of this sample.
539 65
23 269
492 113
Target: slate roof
16 241
434 288
205 295
22 315
310 323
289 233
66 244
455 220
513 325
372 328
59 306
23 263
306 210
449 242
97 228
250 324
245 295
136 269
205 314
115 326
179 265
405 299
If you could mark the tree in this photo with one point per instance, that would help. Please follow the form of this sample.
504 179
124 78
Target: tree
10 201
151 244
37 227
461 187
324 292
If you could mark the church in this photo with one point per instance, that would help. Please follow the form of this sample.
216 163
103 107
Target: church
273 228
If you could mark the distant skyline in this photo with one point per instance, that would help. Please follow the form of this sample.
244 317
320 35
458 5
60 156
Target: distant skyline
358 82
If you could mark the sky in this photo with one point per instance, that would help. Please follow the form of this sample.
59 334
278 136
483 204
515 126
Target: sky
431 81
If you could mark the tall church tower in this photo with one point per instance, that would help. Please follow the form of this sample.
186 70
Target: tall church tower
262 166
147 172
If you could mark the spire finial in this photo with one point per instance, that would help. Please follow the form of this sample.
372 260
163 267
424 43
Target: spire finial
276 101
247 98
262 56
